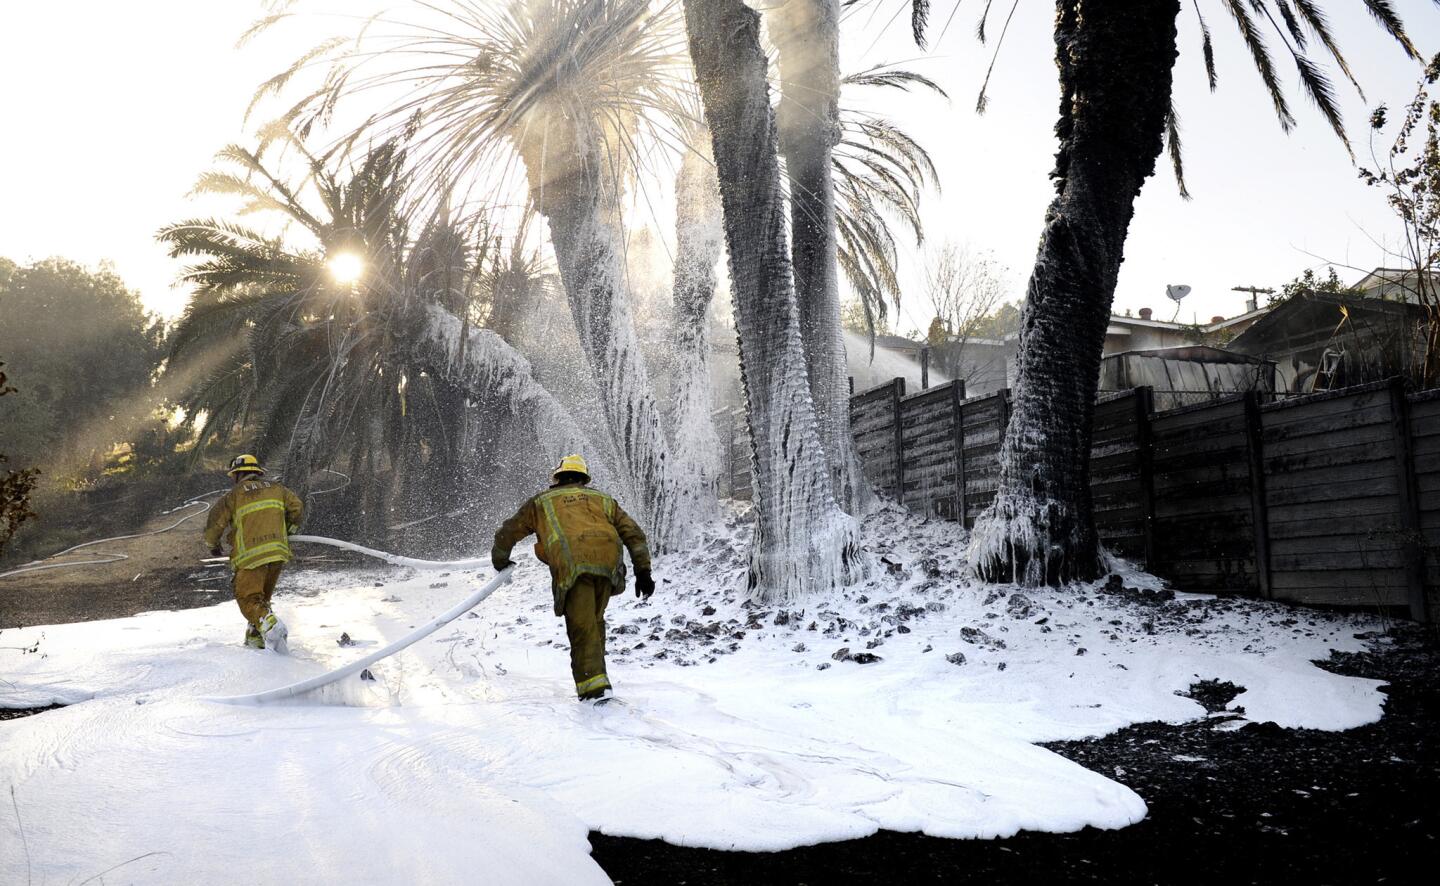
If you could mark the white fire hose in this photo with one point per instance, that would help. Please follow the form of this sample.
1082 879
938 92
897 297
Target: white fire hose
415 636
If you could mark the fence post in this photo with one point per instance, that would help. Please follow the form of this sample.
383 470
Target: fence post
1259 513
1414 553
957 406
897 391
1145 458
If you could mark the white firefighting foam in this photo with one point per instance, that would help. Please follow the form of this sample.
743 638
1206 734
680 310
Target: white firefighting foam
740 727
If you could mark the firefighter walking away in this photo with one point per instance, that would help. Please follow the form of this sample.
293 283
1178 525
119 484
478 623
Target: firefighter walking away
256 519
580 532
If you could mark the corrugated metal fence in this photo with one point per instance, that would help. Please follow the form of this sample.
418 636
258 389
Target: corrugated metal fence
1327 499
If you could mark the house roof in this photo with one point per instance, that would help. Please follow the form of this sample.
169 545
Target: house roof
1117 320
1192 353
896 343
1312 310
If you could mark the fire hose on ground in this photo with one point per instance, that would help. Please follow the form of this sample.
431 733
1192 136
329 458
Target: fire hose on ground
425 630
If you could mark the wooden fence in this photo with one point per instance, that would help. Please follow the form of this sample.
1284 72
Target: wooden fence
1327 499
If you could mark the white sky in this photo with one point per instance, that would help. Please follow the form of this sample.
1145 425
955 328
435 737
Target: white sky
113 109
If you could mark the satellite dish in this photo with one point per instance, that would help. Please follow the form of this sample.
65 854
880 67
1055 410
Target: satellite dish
1177 291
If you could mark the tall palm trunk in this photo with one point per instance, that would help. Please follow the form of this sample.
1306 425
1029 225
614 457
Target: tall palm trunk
807 36
577 194
699 232
803 542
1115 65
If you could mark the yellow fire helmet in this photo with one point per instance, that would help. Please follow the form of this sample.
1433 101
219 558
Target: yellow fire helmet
245 464
573 464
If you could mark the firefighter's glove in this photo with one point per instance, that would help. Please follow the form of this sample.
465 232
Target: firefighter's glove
644 584
216 552
501 563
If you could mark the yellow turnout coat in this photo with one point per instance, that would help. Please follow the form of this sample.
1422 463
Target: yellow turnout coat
256 518
580 532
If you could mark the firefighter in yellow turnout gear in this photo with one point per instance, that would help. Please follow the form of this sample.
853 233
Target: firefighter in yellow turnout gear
256 518
580 532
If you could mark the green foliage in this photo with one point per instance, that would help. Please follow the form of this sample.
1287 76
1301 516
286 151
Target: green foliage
15 486
1409 176
999 323
1309 281
854 318
83 353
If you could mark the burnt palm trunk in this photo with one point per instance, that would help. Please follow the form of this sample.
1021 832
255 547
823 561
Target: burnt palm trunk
699 236
803 542
807 36
1115 59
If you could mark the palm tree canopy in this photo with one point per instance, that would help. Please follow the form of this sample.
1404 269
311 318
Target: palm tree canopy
482 83
881 173
1303 30
302 351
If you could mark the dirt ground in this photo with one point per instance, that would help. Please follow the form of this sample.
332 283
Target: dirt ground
168 570
1256 805
164 571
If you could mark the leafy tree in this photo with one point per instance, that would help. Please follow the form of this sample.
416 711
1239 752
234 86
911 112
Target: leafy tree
855 319
1309 281
999 323
83 352
15 486
1116 62
1409 174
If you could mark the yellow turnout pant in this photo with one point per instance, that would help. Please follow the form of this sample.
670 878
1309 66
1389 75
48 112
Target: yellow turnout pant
585 624
253 589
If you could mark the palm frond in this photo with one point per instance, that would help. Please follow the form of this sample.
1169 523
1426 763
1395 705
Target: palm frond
1312 78
1318 87
276 84
1207 47
1172 143
1260 53
984 17
1313 16
919 18
1384 13
892 77
1292 24
982 100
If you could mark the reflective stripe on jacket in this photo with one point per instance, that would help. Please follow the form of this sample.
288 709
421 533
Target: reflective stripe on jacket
256 517
580 532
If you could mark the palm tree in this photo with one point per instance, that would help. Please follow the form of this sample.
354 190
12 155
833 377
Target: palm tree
698 245
565 87
1116 60
879 172
321 369
837 227
807 41
803 541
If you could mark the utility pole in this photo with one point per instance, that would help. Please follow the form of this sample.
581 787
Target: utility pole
1255 291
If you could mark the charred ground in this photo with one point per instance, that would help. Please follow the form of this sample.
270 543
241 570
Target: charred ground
1258 804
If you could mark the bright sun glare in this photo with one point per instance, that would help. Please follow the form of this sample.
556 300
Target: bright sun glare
346 267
